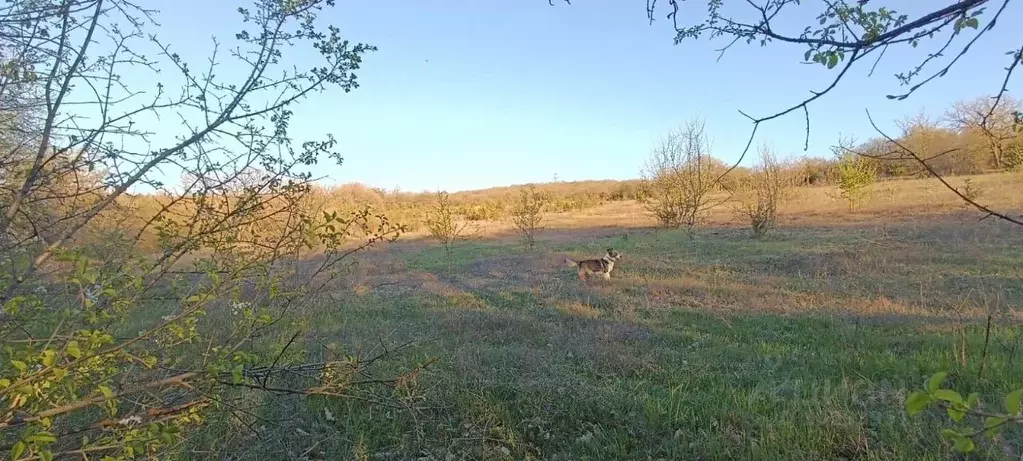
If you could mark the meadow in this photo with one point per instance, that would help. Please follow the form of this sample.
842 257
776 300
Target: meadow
800 345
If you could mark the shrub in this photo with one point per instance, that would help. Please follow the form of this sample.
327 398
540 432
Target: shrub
761 191
528 214
481 212
855 176
681 177
443 223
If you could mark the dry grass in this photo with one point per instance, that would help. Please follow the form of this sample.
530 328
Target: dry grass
893 201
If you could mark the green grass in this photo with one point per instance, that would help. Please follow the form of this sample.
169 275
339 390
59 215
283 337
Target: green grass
721 347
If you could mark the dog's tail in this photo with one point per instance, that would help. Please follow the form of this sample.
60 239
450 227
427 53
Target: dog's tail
571 263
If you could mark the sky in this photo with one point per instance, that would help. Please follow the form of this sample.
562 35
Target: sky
470 94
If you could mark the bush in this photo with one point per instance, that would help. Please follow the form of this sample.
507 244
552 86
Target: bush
855 176
761 191
443 224
528 214
681 177
481 212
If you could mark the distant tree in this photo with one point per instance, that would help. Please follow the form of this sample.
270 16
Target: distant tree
944 149
994 128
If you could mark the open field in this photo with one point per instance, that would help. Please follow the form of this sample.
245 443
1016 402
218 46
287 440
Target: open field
801 346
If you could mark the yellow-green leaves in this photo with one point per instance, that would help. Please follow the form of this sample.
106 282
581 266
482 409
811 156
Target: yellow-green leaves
935 381
918 401
958 409
961 442
17 450
49 356
19 365
1012 402
73 350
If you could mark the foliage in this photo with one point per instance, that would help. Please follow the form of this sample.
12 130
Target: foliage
985 422
681 177
855 176
444 225
759 193
127 323
528 214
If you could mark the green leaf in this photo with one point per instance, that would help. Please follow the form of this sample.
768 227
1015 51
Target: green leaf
972 23
948 395
49 357
41 437
73 350
46 455
961 443
917 402
17 450
993 424
956 414
806 57
236 373
935 381
972 400
106 391
21 366
832 61
1012 401
4 382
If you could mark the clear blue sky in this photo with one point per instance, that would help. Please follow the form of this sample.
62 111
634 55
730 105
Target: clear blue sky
469 94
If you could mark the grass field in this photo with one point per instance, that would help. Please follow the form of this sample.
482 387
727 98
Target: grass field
802 345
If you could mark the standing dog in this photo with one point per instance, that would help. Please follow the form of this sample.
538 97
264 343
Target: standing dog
600 266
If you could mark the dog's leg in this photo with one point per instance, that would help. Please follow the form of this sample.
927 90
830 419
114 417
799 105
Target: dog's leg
582 275
607 276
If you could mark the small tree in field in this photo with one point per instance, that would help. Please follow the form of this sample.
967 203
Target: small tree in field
681 176
855 176
443 223
528 214
760 193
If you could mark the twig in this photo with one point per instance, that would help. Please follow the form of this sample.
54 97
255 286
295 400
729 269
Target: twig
937 176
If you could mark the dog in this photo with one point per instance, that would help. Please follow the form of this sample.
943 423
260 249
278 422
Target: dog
600 266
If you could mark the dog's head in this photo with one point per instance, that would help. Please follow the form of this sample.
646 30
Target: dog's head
613 254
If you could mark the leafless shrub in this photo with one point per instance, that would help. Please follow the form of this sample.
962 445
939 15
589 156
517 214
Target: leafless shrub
681 177
760 193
